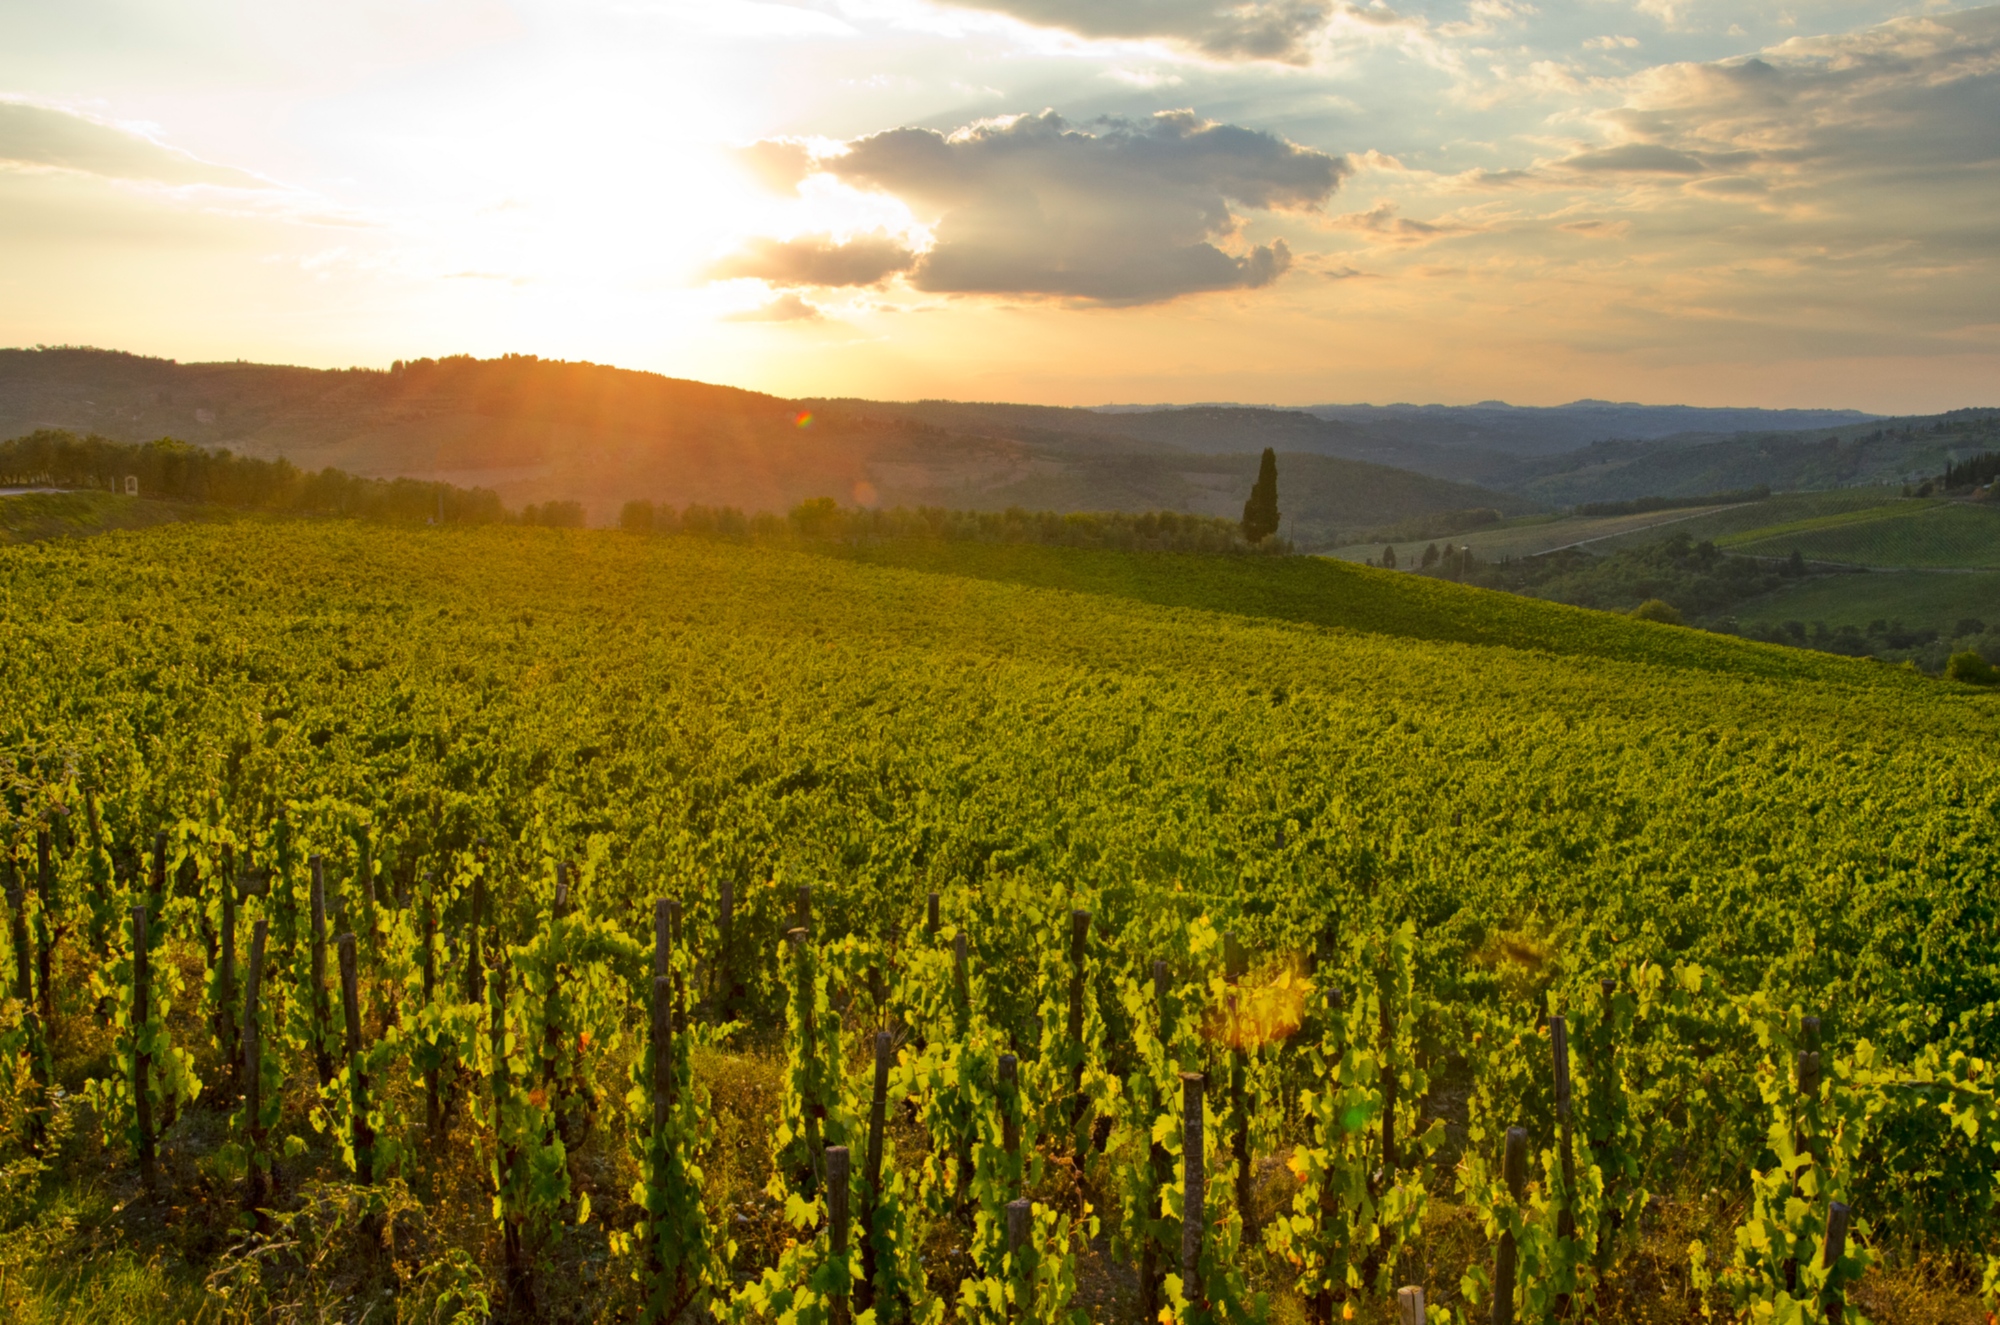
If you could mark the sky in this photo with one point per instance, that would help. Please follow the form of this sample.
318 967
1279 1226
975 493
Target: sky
1712 202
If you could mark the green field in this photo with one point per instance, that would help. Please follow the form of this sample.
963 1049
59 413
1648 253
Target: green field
530 735
1534 535
1918 598
32 516
1912 534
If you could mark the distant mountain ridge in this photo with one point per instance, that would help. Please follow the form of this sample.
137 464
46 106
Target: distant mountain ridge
534 429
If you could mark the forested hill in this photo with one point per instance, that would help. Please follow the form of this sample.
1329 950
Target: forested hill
535 430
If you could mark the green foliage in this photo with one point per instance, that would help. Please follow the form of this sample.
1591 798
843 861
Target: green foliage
1969 667
1653 609
1260 512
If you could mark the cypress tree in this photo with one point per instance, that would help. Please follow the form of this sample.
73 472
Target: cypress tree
1260 513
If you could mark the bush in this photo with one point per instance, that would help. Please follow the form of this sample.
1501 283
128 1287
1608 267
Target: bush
637 517
1970 668
1653 609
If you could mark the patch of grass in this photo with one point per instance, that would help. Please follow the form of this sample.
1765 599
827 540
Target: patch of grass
1918 598
31 517
1913 534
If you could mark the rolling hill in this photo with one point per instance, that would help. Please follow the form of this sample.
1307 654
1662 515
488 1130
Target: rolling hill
533 430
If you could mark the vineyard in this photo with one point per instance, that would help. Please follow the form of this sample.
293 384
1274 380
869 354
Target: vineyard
444 924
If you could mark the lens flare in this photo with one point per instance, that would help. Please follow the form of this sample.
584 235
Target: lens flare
1264 1009
804 419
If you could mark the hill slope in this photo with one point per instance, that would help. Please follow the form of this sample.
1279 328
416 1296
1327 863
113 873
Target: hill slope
534 430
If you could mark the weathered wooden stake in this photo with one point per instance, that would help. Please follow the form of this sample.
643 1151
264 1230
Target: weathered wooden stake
1010 1111
225 972
559 907
1410 1305
1566 1217
1020 1251
45 947
433 1099
1194 1188
360 1134
520 1290
805 909
475 976
24 989
809 1051
878 1111
1160 1162
931 915
142 1058
322 1011
725 924
1506 1258
662 1039
253 1065
1836 1247
837 1191
1079 938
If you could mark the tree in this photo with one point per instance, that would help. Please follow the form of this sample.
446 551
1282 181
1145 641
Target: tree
1430 556
1389 558
1795 565
1653 609
1260 513
637 517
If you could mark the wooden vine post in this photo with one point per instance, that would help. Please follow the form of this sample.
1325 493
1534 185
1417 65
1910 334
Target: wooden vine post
804 907
1837 1215
1805 1084
725 923
225 973
253 1065
520 1292
1601 1146
475 976
809 1052
1410 1305
871 1192
322 1012
1010 1116
361 1136
433 1099
1506 1257
24 990
1235 965
837 1191
142 1039
45 936
1565 1217
1160 1163
1324 1303
1194 1189
931 916
1079 940
1020 1254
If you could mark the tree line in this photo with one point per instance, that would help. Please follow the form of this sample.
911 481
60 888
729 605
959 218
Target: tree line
169 468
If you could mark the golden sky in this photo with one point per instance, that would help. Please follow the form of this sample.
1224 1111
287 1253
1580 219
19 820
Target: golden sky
1066 201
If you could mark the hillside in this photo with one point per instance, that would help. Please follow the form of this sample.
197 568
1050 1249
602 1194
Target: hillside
526 761
534 431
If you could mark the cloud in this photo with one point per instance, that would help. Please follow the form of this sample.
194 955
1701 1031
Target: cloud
1636 158
785 308
1119 212
1280 30
43 137
1381 220
817 260
1911 96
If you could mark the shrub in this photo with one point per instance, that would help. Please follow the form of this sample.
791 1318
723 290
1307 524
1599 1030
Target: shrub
1972 669
1653 609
